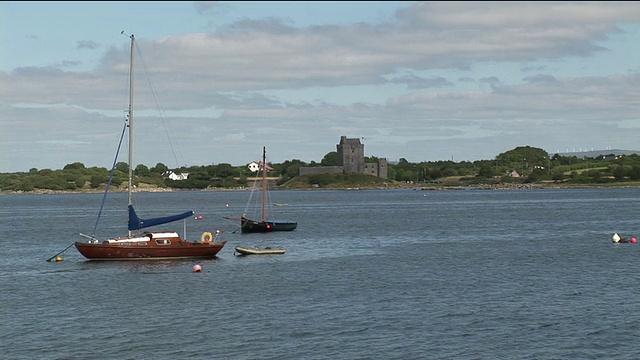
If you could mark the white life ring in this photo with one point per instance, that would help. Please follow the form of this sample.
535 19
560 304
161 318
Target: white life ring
206 237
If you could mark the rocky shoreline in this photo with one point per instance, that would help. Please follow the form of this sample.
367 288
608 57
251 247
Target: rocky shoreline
512 186
441 187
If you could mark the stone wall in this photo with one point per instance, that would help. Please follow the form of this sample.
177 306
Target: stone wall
321 170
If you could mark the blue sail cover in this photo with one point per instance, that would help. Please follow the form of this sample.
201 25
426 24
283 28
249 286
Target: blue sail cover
135 223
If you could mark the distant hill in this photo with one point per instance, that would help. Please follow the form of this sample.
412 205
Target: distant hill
596 153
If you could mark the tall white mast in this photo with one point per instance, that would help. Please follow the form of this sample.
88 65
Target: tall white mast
131 121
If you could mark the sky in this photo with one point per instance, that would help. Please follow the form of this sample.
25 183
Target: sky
217 81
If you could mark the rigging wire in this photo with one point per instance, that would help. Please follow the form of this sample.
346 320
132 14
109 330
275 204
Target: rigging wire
113 169
165 123
175 149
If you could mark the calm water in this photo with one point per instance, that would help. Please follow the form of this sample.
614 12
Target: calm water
398 274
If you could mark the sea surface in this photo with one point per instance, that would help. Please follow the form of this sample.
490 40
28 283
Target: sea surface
368 274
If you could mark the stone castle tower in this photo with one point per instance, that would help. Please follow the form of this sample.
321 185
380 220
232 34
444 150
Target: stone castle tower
350 155
350 161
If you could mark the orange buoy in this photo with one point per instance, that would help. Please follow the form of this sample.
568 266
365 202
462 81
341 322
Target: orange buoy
197 268
59 258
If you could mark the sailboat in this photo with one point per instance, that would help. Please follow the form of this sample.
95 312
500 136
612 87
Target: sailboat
264 224
142 245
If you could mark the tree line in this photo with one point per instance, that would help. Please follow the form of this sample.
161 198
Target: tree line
522 164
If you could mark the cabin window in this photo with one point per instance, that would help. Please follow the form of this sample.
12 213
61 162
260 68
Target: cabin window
163 241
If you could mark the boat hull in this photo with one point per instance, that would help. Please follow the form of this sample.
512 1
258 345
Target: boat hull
149 248
252 226
242 250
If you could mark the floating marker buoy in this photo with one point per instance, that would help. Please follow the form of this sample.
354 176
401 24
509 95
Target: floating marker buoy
615 238
197 268
633 240
59 258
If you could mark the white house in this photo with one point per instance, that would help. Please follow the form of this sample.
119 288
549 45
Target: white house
173 176
256 166
253 167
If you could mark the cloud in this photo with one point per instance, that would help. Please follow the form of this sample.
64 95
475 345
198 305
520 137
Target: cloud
203 7
304 87
87 44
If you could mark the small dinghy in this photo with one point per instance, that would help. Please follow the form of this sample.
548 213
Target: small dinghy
245 250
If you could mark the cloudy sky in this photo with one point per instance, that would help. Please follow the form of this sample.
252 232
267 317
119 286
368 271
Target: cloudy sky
217 81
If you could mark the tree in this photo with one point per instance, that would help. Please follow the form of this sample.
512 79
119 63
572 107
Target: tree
291 168
122 166
74 166
596 175
486 171
96 180
619 171
330 159
160 168
292 171
80 182
524 157
557 175
224 170
142 170
536 175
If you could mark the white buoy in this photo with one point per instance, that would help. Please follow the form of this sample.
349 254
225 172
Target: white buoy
615 238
